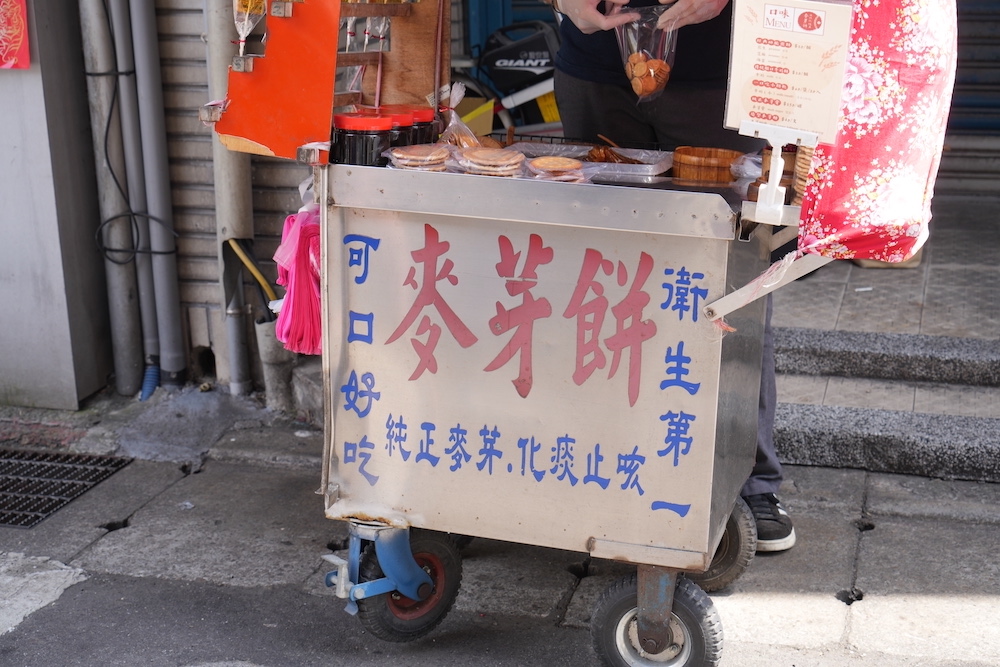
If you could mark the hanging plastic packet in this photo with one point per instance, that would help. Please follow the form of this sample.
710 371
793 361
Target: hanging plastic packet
350 24
376 32
647 51
247 14
349 79
456 132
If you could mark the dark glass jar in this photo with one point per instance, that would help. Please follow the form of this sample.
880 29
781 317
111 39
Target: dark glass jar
361 139
424 125
425 130
402 122
402 128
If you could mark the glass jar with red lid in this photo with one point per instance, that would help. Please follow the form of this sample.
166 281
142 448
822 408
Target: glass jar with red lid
361 139
424 126
402 122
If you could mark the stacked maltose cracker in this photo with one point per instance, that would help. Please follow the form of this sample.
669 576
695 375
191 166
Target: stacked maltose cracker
491 161
423 157
557 168
486 162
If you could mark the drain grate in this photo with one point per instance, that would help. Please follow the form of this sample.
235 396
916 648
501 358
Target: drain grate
33 485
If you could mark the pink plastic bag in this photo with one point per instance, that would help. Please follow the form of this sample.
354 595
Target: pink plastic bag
299 324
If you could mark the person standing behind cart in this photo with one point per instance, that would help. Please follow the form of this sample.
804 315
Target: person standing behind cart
596 103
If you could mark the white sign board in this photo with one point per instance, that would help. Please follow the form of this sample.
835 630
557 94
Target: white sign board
787 64
525 382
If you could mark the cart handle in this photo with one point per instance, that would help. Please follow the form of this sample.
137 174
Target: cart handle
780 274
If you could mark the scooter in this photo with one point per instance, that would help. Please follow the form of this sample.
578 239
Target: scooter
516 69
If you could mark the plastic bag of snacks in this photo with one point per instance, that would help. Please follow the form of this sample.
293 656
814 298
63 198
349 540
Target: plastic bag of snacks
647 51
456 132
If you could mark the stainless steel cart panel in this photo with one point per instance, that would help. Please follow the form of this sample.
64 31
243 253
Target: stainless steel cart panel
527 361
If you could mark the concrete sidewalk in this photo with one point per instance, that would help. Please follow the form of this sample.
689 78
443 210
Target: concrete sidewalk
889 570
206 550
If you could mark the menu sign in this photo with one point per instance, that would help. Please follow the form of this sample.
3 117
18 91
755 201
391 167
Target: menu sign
787 64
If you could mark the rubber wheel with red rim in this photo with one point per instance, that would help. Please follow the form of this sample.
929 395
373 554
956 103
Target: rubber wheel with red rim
396 618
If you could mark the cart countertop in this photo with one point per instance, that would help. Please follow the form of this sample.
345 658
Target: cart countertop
648 209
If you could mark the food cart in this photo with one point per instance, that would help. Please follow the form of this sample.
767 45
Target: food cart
529 361
525 360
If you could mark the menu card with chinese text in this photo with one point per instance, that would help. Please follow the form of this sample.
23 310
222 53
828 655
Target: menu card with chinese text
787 64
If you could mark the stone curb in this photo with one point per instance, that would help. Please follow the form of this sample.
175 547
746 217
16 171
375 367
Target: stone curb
910 443
888 356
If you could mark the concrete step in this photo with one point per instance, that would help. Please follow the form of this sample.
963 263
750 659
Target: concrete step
948 446
893 356
888 402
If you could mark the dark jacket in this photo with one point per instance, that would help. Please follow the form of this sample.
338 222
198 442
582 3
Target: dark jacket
701 58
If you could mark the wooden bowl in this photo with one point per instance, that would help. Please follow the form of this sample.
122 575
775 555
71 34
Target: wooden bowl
704 164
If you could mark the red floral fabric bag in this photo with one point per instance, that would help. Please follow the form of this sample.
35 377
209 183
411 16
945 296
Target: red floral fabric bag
868 195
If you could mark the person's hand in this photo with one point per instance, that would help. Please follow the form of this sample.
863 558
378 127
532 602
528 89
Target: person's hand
584 15
686 12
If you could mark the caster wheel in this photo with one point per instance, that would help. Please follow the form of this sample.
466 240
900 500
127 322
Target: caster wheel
694 625
735 552
395 618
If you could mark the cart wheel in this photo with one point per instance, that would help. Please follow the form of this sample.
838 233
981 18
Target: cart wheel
395 618
694 624
735 553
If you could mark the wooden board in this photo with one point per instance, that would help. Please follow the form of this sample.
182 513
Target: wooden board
408 68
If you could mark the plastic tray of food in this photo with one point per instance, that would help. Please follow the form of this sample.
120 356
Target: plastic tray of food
646 162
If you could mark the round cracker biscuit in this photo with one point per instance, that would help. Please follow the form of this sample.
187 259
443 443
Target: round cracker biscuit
555 163
493 157
482 171
420 154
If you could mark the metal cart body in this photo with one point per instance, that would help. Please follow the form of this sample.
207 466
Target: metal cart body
527 361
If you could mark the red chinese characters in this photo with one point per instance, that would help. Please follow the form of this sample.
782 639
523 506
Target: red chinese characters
607 303
520 318
630 329
428 296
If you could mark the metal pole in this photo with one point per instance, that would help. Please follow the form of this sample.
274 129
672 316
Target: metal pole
132 143
173 362
126 331
233 195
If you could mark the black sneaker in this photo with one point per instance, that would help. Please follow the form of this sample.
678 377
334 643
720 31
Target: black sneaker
774 526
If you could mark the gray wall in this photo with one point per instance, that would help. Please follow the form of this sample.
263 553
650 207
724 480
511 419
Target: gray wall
54 337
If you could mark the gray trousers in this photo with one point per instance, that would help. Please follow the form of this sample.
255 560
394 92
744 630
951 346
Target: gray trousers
766 475
683 115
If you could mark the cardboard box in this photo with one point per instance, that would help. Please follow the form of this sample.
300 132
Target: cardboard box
477 113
